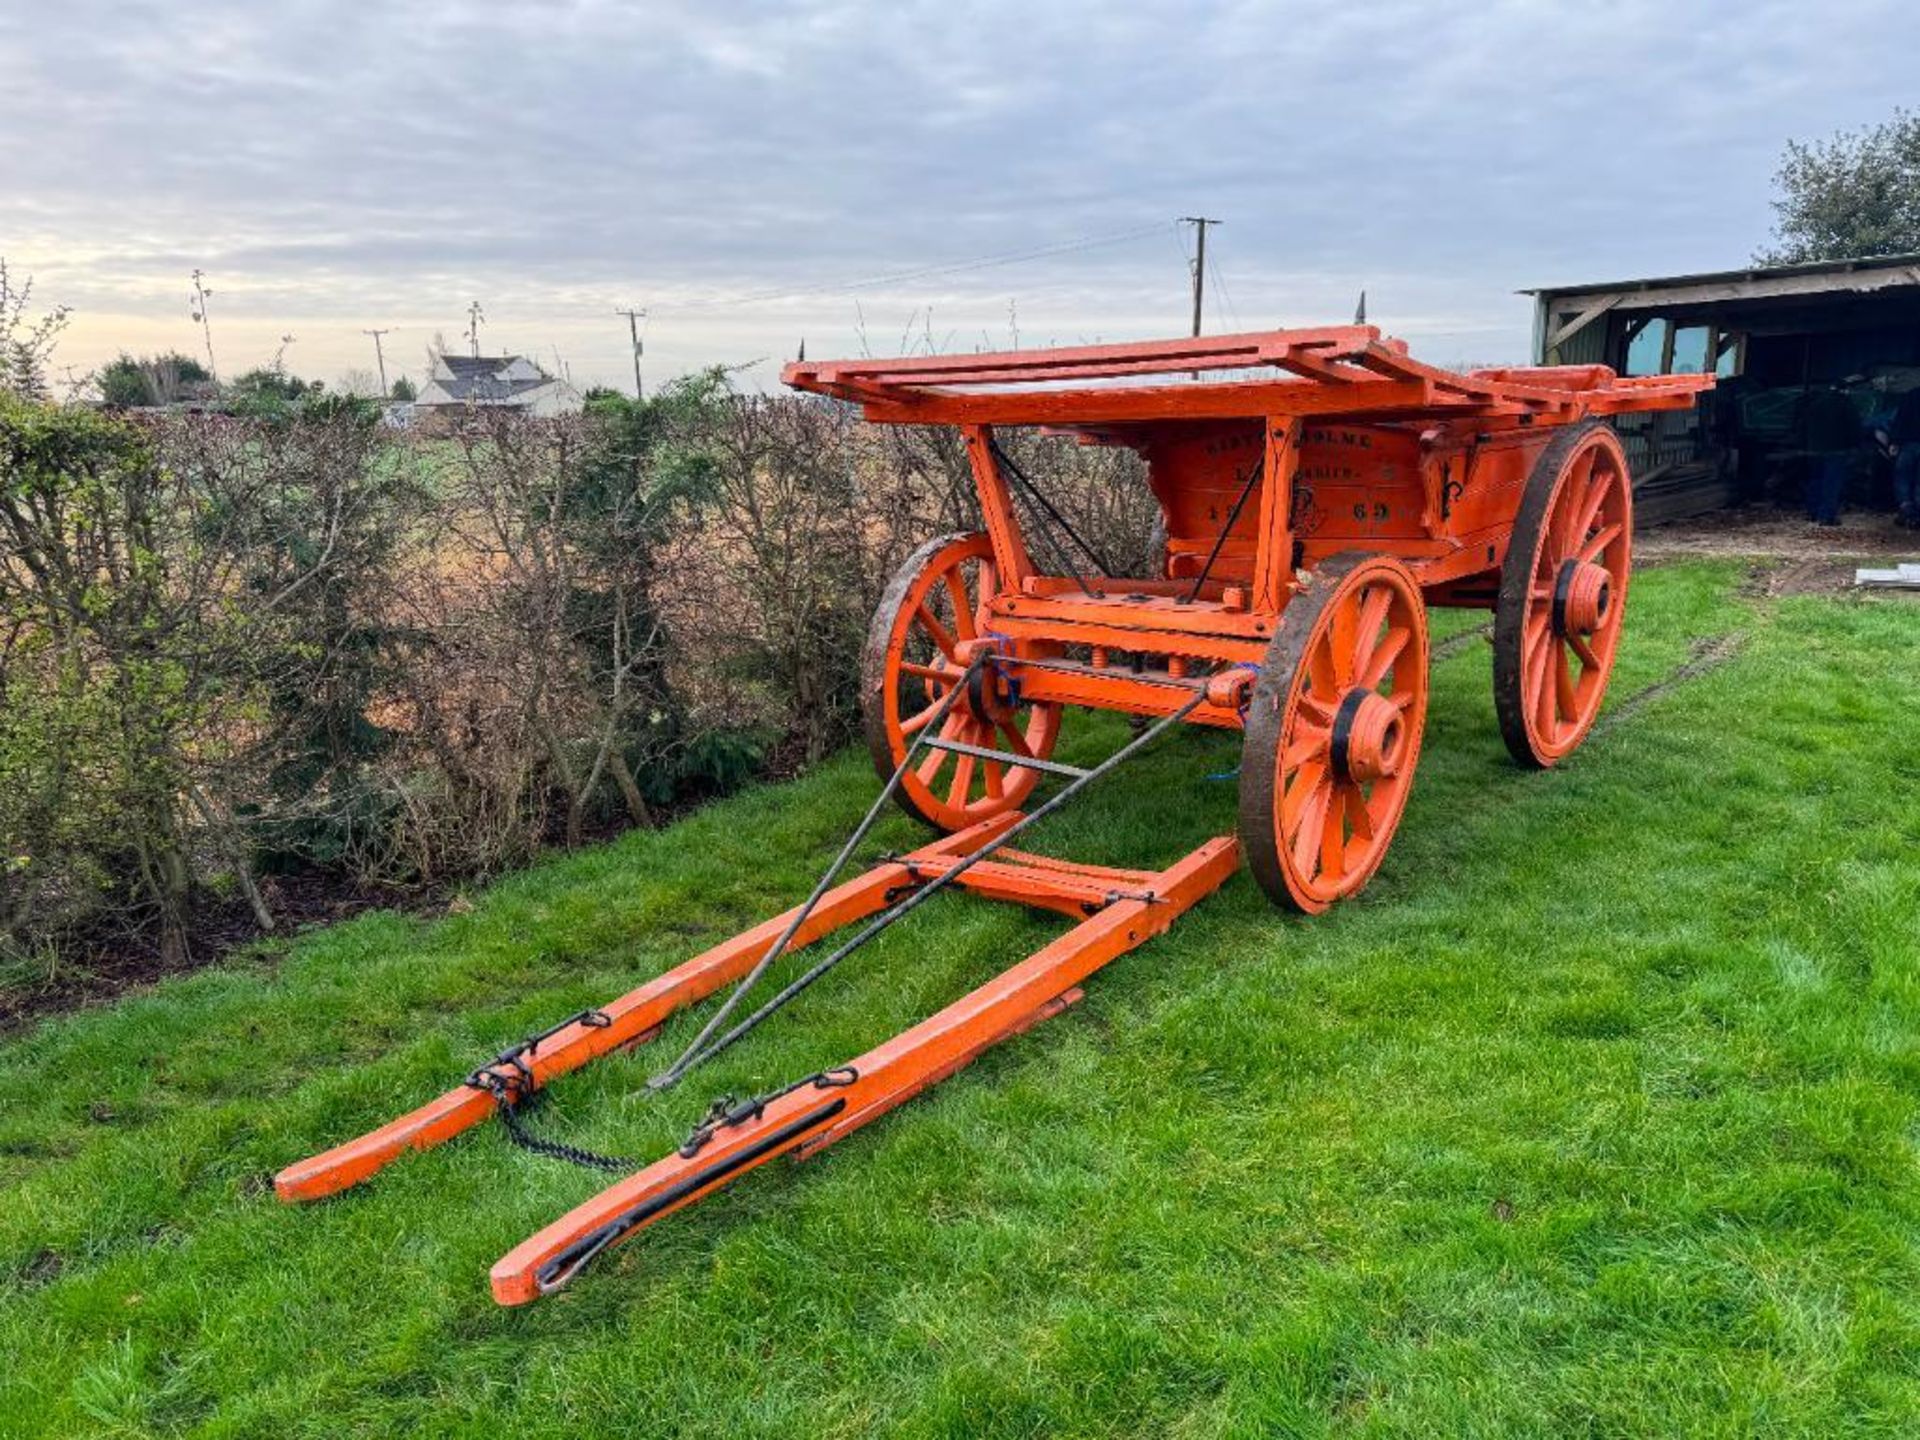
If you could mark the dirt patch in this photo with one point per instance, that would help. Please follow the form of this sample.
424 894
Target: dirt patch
1798 558
42 1268
111 966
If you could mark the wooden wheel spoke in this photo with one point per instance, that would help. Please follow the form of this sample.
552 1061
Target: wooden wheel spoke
1391 647
1596 545
1588 659
1304 743
1590 504
1563 525
1333 834
962 606
1343 641
1539 687
928 672
1358 815
1563 684
1321 711
1322 674
962 780
1311 825
1016 742
929 768
1373 615
919 720
1307 779
994 778
941 635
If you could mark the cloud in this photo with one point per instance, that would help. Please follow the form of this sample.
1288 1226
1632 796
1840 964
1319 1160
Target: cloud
334 167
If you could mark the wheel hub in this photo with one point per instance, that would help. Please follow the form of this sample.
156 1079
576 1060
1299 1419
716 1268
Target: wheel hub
1582 595
1369 736
992 695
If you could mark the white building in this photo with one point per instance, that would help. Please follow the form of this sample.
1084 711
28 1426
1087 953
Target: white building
511 382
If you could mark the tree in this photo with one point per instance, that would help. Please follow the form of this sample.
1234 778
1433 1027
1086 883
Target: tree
25 345
132 383
268 393
1853 195
360 383
403 389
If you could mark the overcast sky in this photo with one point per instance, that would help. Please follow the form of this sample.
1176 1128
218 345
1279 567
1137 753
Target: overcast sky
735 168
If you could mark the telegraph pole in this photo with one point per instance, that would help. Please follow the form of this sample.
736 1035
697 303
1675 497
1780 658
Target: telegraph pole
474 316
634 317
1200 224
380 358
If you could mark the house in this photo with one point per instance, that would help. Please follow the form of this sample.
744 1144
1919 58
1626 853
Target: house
1772 334
460 384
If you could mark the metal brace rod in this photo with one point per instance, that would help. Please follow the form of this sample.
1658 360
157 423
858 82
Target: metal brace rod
933 887
1220 540
1023 762
1073 667
694 1054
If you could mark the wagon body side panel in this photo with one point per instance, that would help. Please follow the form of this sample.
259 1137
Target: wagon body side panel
1196 473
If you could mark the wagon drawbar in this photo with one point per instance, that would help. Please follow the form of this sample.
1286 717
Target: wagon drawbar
1319 490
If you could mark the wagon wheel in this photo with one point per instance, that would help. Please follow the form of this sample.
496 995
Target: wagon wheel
931 608
1333 732
1563 595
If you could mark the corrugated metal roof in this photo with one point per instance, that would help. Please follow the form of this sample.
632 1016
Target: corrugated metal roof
1756 273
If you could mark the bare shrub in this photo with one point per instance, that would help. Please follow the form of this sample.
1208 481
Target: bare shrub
292 640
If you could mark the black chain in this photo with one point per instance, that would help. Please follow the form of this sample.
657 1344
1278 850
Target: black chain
511 1103
509 1078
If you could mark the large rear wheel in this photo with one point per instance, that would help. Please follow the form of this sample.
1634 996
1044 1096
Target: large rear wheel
1563 595
934 607
1333 732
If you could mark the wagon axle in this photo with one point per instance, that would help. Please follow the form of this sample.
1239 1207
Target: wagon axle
1368 738
1582 594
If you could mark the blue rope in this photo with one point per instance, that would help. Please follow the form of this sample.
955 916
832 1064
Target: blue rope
1234 774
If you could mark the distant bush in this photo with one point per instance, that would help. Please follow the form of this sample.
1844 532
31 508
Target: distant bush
128 383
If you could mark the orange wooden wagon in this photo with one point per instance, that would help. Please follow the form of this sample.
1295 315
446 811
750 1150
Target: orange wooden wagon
1318 489
1312 510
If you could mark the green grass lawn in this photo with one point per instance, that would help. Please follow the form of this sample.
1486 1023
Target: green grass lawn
1596 1114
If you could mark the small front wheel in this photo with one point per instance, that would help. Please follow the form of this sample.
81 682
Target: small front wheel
934 606
1333 732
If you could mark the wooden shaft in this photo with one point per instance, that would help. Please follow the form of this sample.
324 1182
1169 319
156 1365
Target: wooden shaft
633 1019
815 1115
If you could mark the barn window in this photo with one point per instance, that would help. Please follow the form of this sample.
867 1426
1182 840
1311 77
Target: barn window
1690 345
1647 348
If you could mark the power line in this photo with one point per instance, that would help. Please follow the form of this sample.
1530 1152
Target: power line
1011 257
1223 292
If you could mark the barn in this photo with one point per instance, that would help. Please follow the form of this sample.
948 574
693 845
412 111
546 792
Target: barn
1774 335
